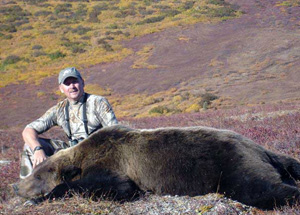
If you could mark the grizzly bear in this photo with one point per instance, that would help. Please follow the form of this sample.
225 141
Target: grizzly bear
120 163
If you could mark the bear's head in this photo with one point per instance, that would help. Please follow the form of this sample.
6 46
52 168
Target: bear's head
45 177
69 164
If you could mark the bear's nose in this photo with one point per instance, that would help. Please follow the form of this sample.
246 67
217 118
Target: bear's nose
16 189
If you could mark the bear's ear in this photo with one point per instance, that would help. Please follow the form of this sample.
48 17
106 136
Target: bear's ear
69 172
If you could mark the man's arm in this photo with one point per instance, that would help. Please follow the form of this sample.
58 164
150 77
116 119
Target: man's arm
32 130
30 137
106 114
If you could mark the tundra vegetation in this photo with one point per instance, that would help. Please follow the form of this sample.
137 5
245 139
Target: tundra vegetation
78 32
38 38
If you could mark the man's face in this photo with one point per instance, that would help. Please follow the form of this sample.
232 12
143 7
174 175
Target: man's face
72 88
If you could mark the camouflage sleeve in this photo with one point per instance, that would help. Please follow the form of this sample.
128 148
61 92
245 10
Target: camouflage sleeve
105 113
44 123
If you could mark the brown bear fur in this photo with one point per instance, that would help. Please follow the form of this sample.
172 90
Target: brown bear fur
178 161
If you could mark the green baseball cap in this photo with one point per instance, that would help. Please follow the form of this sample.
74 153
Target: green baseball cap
68 72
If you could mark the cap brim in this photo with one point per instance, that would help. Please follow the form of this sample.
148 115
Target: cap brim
73 76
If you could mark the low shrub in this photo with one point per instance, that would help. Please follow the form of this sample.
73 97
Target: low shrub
68 43
193 108
119 32
52 18
127 34
85 38
21 22
151 20
37 47
11 10
125 13
80 13
56 55
93 17
81 30
162 7
171 12
76 0
60 8
77 49
188 5
107 47
101 6
14 16
8 28
12 59
112 26
159 110
6 36
48 32
113 33
96 11
60 23
207 98
34 2
217 2
45 5
152 100
29 27
143 11
177 99
220 12
42 13
38 53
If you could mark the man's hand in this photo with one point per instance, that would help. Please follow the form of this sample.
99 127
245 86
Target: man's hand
30 137
38 157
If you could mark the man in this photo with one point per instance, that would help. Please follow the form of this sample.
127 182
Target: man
80 114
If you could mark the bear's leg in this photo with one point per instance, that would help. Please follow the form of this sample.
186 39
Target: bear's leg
287 167
277 195
100 183
107 184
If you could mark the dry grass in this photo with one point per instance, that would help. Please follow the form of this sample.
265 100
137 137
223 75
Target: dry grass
167 102
82 33
289 3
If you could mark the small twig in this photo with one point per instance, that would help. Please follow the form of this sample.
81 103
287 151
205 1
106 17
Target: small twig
218 187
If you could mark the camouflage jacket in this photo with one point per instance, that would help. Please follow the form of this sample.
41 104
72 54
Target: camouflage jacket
98 111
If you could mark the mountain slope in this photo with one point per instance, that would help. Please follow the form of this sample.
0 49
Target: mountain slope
249 60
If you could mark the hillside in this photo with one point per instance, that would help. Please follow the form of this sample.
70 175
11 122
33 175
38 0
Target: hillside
247 60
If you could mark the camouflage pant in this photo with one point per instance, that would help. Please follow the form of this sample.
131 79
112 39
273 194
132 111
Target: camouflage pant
49 147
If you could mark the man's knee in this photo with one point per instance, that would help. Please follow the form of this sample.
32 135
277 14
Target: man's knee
49 147
26 162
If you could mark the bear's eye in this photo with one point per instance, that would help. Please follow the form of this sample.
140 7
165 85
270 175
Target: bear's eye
51 170
38 177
